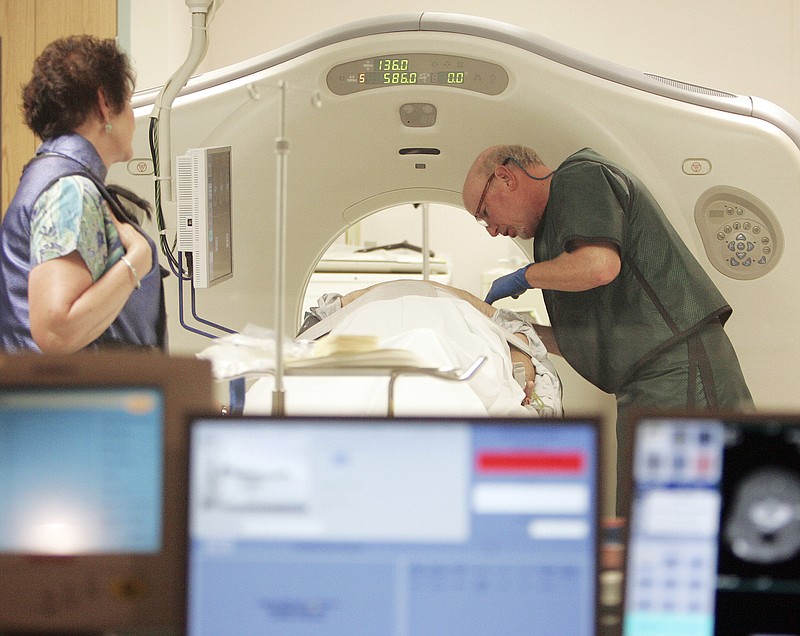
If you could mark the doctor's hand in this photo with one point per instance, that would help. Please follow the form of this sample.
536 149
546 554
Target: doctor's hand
509 285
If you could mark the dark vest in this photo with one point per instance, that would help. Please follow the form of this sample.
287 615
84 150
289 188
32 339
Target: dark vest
142 321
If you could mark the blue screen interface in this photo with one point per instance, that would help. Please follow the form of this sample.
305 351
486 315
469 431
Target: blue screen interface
305 528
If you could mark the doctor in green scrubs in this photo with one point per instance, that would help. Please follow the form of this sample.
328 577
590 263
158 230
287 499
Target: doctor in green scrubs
631 309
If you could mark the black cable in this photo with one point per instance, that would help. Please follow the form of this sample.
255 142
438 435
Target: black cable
166 249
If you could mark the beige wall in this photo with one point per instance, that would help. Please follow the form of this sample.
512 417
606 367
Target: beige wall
26 26
739 46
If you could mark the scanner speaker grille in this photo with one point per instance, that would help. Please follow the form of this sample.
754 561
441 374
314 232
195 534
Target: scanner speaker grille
691 87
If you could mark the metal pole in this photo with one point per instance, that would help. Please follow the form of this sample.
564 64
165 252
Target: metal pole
281 152
426 239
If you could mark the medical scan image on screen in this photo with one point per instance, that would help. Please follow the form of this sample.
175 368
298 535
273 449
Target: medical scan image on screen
758 577
714 533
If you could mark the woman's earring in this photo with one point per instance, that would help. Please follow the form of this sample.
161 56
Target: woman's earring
108 127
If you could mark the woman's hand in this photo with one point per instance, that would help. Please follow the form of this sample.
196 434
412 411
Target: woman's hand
137 249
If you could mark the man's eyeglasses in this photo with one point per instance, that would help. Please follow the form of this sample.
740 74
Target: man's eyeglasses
481 215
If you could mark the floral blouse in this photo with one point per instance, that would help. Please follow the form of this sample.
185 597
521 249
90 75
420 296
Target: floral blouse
72 215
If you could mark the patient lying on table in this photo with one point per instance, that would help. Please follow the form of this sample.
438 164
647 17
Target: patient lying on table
444 326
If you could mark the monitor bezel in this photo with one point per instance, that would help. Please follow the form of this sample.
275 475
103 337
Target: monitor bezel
150 590
595 422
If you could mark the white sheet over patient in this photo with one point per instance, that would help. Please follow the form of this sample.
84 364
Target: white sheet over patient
444 331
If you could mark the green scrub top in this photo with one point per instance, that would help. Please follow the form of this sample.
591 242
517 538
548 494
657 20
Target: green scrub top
661 294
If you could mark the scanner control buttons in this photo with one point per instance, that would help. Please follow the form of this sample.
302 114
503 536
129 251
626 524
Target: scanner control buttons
745 250
741 235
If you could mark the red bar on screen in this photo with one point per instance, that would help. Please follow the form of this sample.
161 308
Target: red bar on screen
530 462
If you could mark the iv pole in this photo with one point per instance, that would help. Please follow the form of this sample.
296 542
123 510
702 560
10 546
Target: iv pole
281 152
426 240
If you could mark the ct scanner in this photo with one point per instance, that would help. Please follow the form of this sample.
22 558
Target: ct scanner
725 167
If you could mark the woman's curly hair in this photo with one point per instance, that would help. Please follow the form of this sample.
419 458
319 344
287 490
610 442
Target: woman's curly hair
62 92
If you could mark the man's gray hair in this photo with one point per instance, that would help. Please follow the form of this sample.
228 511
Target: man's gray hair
523 155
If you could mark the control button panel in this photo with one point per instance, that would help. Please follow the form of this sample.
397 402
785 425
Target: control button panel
741 235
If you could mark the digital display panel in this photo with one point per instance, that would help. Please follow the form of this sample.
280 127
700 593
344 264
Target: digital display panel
397 71
417 69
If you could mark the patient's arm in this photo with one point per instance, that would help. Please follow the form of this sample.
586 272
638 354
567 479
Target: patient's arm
530 372
516 354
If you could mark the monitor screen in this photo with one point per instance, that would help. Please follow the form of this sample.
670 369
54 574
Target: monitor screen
82 470
312 526
714 527
219 265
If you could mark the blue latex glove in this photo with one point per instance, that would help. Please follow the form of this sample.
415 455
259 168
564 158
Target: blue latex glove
509 285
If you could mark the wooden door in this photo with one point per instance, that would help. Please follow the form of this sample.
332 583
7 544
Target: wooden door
26 27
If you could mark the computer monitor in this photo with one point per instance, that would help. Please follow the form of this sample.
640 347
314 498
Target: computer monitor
713 544
341 526
205 208
92 459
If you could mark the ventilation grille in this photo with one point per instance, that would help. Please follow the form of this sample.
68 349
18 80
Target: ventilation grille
187 187
693 88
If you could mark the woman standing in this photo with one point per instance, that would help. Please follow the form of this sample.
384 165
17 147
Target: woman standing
76 270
